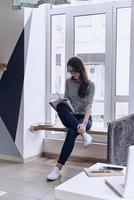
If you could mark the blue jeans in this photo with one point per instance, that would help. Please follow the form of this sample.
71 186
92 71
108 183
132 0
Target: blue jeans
71 121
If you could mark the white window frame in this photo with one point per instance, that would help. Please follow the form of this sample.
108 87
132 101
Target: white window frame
131 72
117 98
105 8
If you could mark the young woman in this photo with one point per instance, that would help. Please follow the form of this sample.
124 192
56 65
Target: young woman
80 91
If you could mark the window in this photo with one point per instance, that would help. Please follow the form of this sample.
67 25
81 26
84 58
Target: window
90 46
121 109
58 54
123 51
98 35
122 59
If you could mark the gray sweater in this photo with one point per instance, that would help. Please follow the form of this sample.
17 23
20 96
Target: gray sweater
79 104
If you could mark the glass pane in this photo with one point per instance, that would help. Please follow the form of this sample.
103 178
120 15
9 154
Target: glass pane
58 54
97 75
123 51
121 109
90 34
90 46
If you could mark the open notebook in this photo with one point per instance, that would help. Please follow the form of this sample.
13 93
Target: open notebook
55 102
124 185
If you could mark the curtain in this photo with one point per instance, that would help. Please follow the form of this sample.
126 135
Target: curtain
17 4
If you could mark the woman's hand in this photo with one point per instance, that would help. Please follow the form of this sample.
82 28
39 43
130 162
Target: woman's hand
81 128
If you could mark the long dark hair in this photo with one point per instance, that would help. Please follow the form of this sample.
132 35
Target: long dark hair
78 66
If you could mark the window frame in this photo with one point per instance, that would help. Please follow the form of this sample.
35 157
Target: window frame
110 55
117 98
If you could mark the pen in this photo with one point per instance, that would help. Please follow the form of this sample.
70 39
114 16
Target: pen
101 171
112 168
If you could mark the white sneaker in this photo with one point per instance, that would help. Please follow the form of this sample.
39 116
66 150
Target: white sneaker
54 175
87 139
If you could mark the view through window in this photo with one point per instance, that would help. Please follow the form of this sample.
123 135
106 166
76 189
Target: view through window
90 46
89 41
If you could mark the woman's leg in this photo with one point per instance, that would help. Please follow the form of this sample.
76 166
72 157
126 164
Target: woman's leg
71 134
71 121
67 146
87 139
67 117
65 153
89 124
70 140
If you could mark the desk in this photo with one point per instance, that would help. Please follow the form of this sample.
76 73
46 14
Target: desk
87 188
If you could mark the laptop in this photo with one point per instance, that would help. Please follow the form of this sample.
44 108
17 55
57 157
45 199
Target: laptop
123 186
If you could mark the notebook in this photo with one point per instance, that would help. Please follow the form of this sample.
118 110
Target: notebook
66 101
123 186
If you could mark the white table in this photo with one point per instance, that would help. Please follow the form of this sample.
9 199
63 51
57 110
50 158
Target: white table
82 187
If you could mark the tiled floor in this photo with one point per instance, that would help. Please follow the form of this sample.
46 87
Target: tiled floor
28 181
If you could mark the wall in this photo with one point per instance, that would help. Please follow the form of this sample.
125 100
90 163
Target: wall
22 85
34 82
11 82
94 151
11 25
